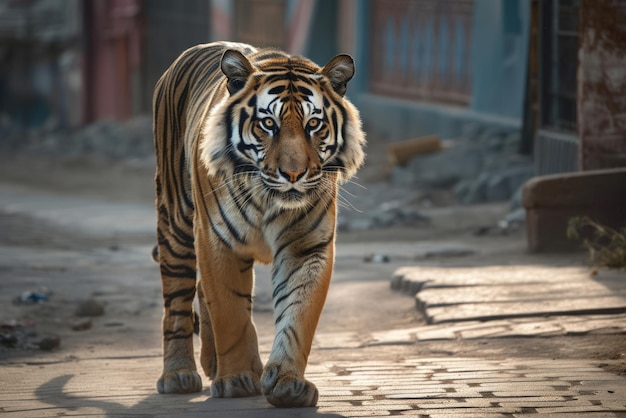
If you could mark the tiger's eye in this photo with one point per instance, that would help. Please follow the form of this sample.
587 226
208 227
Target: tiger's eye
313 123
268 123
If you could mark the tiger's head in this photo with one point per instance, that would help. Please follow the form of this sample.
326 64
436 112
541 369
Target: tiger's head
285 124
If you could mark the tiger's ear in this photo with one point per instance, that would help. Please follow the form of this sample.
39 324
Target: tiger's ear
236 68
339 71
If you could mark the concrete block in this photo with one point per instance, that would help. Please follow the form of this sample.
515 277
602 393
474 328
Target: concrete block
550 201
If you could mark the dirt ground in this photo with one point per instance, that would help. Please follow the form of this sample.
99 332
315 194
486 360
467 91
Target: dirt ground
72 264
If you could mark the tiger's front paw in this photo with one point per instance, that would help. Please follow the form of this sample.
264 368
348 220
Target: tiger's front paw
238 386
286 390
180 381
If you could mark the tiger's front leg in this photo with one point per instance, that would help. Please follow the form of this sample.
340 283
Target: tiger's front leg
230 353
301 280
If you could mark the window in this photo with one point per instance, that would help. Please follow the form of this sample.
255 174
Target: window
559 58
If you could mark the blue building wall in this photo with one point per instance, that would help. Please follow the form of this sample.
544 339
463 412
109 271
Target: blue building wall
498 71
499 56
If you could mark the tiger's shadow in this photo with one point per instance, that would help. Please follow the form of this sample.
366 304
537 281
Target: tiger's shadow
187 405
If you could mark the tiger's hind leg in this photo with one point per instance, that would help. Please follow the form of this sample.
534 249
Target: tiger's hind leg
177 260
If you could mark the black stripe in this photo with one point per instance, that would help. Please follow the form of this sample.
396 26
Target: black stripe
293 223
180 271
285 281
171 335
180 313
311 228
231 228
282 314
191 255
293 332
274 216
213 226
218 234
335 124
305 91
286 295
187 294
243 117
182 238
269 55
249 263
311 250
182 174
247 296
249 199
240 208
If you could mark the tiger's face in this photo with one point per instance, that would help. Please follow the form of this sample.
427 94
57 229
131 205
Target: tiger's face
286 125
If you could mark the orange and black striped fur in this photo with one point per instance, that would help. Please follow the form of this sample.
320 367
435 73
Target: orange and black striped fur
251 145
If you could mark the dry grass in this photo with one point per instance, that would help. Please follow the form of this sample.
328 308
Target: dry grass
607 246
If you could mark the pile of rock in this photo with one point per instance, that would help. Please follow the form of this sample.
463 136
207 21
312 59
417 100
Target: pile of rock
483 165
106 139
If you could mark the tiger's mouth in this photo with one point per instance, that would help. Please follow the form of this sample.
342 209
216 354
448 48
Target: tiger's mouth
289 195
293 199
292 195
290 199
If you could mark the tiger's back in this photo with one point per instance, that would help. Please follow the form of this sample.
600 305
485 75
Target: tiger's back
251 145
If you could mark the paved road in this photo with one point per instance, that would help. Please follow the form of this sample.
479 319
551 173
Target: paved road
373 355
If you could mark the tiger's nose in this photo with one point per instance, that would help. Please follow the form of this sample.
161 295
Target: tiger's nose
292 176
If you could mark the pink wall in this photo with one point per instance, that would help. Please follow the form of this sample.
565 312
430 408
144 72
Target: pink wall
112 55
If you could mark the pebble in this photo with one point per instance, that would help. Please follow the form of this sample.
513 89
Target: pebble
82 324
377 258
90 307
49 343
447 252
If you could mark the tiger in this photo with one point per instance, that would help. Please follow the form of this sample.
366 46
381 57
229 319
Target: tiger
251 145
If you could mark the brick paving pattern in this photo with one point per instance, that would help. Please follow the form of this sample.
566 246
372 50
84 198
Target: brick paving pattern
470 387
428 387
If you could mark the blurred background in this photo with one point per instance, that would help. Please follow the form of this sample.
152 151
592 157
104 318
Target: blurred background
463 99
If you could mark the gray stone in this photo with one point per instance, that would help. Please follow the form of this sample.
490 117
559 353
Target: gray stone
497 188
90 307
477 191
471 131
516 199
403 177
447 253
49 342
445 169
106 139
501 161
513 219
392 215
511 143
494 143
503 184
490 136
461 191
377 258
82 324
